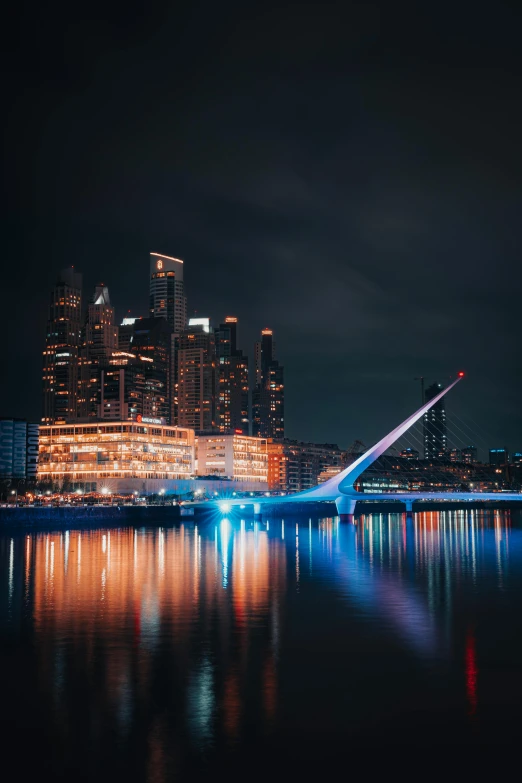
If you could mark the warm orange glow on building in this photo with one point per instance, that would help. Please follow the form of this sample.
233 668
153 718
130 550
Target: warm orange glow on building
95 452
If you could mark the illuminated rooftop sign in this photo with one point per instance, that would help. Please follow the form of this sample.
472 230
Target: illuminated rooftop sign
148 420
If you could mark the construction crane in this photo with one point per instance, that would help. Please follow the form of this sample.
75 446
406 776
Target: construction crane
421 379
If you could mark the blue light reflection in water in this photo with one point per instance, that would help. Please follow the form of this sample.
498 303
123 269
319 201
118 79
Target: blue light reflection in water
153 652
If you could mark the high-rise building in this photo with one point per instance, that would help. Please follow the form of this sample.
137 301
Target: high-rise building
152 344
232 366
435 439
62 345
99 341
131 386
455 455
498 456
197 377
469 455
516 458
167 292
126 332
268 396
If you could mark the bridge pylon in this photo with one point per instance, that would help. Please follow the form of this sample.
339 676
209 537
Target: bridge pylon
345 505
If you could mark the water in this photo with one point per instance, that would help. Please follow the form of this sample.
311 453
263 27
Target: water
240 648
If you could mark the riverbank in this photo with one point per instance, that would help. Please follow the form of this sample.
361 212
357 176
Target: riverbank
45 517
77 516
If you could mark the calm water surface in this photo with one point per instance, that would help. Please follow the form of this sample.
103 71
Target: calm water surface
243 648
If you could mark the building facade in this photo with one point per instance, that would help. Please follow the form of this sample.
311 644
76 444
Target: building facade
498 456
115 455
18 450
62 346
197 377
435 437
268 395
469 455
99 341
294 466
233 392
167 292
238 457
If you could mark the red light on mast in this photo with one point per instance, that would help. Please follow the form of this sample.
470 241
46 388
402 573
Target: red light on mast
461 374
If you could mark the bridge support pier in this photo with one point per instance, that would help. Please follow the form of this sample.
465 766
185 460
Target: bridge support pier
409 507
346 506
257 509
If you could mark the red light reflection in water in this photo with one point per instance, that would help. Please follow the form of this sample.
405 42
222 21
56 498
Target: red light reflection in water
471 673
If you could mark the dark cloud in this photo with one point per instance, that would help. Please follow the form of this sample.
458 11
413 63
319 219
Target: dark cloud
349 174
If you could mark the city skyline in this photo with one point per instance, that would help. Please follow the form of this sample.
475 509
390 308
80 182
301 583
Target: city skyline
365 210
101 291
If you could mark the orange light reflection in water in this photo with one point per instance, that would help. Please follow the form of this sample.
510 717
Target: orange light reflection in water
103 587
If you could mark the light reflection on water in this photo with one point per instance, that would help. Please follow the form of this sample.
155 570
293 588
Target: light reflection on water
189 642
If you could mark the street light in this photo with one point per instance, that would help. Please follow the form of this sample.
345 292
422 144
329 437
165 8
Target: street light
15 492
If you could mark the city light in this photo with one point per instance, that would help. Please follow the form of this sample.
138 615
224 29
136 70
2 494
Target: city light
224 507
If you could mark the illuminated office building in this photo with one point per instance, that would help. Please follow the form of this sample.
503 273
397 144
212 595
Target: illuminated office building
62 346
232 365
197 377
167 293
99 341
238 457
268 396
138 382
294 466
435 439
118 456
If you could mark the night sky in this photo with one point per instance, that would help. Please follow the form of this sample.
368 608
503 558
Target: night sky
349 175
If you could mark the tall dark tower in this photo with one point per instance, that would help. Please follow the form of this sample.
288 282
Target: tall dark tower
167 292
435 440
99 340
62 345
268 396
232 366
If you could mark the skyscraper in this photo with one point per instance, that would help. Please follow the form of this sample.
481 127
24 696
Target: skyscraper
167 293
232 366
60 357
126 333
99 340
268 396
197 377
435 440
152 344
